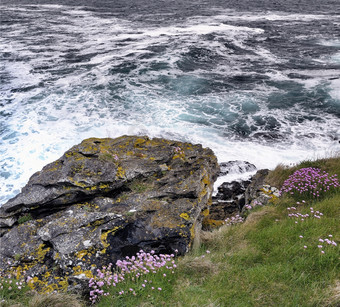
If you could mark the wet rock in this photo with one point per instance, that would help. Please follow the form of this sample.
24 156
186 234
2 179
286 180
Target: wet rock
236 167
105 199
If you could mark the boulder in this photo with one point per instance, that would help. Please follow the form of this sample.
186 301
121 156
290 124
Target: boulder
105 199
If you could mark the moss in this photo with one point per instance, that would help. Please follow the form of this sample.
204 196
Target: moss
25 218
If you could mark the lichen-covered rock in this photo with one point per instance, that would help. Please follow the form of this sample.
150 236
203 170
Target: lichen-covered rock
259 192
102 200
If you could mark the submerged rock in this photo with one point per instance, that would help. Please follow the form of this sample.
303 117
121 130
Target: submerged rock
102 200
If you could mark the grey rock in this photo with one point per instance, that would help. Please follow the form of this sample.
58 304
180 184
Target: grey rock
105 199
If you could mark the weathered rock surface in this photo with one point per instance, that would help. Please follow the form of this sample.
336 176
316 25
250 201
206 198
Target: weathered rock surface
102 200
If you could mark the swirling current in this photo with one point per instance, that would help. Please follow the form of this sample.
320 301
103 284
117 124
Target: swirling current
253 80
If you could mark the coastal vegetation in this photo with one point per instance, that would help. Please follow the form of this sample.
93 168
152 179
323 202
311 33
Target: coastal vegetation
284 254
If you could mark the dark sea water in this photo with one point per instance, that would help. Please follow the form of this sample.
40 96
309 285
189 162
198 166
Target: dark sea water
253 80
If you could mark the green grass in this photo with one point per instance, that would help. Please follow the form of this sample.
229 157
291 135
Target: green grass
261 262
282 172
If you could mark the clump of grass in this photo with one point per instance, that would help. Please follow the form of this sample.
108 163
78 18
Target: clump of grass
56 300
25 218
132 276
138 186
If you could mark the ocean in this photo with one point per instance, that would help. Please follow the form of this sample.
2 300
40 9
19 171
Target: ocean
257 81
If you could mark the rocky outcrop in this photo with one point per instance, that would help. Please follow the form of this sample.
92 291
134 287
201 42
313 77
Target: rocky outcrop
102 200
228 202
236 197
230 197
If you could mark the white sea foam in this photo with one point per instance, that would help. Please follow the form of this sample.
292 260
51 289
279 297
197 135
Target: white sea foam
271 16
78 98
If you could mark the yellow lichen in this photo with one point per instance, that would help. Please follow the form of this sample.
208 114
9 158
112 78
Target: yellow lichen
211 223
77 270
103 238
205 212
185 216
120 172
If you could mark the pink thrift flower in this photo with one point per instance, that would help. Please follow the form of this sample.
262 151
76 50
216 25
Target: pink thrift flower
305 246
300 236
